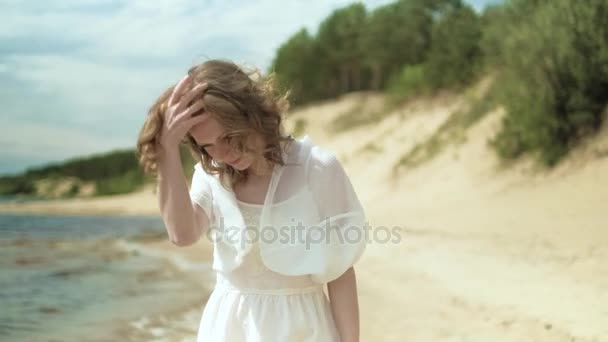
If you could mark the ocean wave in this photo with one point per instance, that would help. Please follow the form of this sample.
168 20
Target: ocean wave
178 261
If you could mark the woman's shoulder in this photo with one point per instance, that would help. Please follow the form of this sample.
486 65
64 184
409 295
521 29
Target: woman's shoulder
310 150
200 171
323 161
321 156
201 174
198 167
324 168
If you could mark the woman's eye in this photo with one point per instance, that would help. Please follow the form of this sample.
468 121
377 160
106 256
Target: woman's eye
225 141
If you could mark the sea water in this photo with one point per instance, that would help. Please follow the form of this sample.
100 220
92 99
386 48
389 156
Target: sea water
65 278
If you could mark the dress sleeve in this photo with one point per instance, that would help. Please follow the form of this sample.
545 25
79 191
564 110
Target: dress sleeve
343 220
200 191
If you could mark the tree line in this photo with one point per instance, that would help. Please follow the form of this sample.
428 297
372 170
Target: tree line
550 58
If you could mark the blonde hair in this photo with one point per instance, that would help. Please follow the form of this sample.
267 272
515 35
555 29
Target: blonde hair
244 103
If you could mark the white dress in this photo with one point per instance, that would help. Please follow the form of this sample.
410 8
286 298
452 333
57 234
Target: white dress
254 304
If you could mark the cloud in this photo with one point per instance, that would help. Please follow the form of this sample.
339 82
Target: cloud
77 76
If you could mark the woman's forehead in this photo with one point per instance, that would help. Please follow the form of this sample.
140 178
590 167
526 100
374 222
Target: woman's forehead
207 131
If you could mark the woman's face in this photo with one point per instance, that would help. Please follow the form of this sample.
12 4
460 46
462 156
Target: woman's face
208 136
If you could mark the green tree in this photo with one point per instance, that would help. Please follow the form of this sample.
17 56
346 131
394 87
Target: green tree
340 39
397 34
297 67
554 75
455 52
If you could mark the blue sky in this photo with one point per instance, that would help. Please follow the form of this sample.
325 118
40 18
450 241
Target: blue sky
77 76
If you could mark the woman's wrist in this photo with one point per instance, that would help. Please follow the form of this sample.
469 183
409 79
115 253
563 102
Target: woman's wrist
168 159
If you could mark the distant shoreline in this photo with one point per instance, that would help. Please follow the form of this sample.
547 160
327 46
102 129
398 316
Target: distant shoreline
141 203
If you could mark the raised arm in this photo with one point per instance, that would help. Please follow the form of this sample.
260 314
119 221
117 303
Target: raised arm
184 219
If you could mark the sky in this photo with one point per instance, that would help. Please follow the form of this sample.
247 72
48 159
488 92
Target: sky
78 76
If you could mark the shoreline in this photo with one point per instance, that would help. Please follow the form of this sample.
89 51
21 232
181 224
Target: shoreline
179 323
179 281
140 203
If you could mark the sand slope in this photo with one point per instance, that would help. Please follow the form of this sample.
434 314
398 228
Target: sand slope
486 253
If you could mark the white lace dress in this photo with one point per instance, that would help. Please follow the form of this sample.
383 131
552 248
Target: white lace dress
253 303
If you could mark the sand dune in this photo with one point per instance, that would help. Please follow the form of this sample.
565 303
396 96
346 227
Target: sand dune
487 252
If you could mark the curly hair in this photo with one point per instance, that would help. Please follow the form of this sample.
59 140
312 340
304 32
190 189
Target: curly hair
243 102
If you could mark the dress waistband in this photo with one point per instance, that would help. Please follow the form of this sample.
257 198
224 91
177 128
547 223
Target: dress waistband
223 285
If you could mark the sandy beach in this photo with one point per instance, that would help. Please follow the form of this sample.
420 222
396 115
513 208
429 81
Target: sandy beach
485 252
139 203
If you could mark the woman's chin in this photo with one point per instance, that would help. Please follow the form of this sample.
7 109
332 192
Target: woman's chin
241 165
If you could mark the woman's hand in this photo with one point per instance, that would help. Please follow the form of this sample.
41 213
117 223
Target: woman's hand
178 119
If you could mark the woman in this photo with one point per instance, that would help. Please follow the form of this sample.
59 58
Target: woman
283 216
